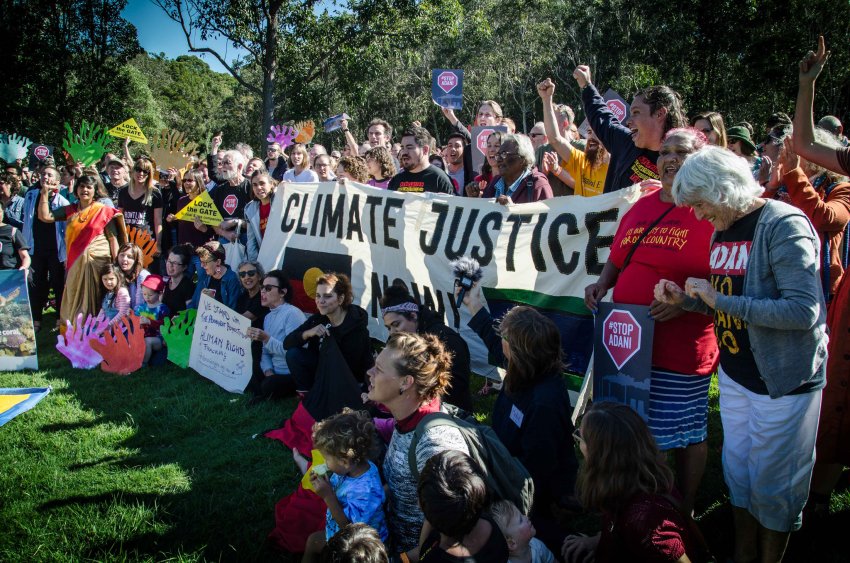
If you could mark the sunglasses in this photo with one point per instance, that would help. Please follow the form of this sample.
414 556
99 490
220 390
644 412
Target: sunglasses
140 171
268 288
247 273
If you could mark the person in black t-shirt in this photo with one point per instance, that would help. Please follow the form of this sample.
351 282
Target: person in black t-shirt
180 287
419 175
248 305
231 195
141 204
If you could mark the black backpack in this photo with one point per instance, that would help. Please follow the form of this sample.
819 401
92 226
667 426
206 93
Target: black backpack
505 475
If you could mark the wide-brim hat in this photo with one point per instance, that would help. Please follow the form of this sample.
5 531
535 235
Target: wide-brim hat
740 133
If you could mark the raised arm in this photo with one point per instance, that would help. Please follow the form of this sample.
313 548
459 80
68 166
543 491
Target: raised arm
613 135
546 90
804 124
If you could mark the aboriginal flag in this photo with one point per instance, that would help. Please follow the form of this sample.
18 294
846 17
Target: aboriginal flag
574 322
304 267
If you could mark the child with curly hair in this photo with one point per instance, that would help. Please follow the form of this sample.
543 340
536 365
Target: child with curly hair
353 490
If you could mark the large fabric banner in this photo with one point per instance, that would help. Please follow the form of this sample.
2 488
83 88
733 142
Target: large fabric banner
542 254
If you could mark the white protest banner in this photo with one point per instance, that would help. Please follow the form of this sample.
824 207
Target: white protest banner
221 350
542 254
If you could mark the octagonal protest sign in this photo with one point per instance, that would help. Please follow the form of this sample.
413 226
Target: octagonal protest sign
622 355
447 88
479 143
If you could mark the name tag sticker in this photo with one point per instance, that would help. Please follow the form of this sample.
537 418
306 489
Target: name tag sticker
516 416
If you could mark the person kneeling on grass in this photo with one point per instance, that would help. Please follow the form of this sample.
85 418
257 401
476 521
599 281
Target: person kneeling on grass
152 313
353 492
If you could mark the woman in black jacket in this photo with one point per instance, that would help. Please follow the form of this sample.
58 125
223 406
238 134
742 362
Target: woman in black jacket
337 317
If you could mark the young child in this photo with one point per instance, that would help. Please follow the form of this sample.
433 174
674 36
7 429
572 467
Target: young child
353 492
454 498
116 301
519 533
355 543
152 313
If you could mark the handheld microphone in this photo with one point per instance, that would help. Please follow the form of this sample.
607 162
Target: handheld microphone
467 271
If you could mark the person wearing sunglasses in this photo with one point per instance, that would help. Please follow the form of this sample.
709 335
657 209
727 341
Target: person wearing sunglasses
141 203
282 319
249 305
518 180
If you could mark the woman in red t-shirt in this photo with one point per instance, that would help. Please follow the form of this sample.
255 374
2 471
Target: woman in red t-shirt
684 350
257 211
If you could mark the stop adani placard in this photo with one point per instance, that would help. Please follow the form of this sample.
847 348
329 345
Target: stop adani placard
622 352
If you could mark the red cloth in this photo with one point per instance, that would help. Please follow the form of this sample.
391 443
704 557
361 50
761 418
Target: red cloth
265 210
297 431
296 517
676 249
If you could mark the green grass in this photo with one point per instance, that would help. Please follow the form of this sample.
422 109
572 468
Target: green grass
163 465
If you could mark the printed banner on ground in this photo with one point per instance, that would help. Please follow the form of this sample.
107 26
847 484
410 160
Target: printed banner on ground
16 401
622 366
447 88
542 254
202 207
17 335
221 350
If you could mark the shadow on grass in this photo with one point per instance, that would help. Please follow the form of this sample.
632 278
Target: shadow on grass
158 463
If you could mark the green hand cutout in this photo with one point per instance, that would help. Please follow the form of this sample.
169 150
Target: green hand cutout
87 146
177 334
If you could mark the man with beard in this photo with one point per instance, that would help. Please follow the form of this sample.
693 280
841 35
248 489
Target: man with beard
584 171
418 175
634 146
564 117
231 194
458 161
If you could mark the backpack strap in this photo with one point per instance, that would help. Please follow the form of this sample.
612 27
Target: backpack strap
428 421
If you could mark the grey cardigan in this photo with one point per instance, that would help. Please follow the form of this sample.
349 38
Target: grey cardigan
782 301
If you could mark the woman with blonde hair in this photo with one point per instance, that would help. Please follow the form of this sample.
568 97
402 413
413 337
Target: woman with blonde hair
299 166
141 203
712 126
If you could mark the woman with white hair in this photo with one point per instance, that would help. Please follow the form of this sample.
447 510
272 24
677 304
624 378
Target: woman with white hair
518 180
766 297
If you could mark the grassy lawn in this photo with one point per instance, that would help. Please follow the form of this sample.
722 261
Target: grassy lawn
164 465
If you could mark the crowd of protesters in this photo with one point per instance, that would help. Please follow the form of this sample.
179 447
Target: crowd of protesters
754 291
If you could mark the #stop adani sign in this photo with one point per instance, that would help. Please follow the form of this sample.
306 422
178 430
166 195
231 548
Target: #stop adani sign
447 88
479 143
622 352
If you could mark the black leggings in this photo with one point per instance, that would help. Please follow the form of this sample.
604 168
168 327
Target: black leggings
47 272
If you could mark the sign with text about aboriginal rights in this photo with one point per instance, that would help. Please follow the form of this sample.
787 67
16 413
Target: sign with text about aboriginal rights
221 350
202 207
542 254
447 88
622 365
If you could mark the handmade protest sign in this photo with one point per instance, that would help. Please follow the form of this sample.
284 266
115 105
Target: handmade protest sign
87 146
13 147
170 149
17 335
334 122
622 366
479 143
75 344
221 350
122 346
129 130
177 332
282 135
616 103
142 238
542 254
202 207
447 88
306 131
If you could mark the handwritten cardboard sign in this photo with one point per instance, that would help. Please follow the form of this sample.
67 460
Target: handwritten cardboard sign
221 350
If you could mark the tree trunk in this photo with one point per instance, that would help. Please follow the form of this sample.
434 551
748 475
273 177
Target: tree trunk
269 71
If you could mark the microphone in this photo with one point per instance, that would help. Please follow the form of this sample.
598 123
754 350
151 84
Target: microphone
467 271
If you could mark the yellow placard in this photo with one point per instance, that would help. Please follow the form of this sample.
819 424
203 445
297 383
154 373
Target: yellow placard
129 130
317 460
202 207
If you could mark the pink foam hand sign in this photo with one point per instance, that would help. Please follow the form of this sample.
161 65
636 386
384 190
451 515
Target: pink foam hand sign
282 135
122 346
76 343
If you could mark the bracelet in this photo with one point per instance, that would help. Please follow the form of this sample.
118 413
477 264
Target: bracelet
345 130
